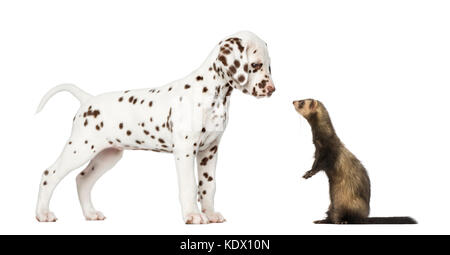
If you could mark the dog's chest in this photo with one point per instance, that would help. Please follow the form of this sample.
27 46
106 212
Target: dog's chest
215 121
216 118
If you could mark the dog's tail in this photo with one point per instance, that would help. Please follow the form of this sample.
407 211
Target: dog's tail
386 220
74 90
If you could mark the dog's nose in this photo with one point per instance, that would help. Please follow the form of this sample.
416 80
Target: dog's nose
270 89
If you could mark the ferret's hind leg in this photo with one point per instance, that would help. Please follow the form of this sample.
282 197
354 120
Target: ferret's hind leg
327 219
334 216
99 165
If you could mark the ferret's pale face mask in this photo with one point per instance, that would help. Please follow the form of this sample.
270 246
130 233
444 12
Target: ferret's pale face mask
305 107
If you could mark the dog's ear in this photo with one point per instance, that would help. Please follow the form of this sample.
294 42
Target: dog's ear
233 58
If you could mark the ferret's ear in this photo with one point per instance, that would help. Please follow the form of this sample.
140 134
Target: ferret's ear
233 59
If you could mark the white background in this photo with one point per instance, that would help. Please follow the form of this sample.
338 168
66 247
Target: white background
380 67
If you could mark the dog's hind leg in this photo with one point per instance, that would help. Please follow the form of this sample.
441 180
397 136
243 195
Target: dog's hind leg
74 155
99 165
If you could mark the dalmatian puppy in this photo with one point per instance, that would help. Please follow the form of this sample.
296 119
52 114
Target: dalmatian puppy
186 117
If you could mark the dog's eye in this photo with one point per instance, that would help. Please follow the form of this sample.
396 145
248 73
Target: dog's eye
270 70
256 66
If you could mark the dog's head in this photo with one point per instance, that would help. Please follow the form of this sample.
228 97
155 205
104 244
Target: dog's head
243 58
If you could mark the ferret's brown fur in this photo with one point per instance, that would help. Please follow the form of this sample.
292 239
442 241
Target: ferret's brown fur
348 179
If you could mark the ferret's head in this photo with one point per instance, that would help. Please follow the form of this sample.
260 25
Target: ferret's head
317 116
308 107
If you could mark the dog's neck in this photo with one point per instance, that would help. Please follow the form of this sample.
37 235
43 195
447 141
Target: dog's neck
219 85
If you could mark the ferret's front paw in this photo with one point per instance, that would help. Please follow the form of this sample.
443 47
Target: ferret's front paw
94 215
309 174
46 217
196 218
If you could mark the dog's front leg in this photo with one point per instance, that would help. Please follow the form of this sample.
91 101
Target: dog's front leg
206 166
187 188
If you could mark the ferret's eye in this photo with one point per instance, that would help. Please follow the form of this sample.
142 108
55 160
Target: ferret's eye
301 104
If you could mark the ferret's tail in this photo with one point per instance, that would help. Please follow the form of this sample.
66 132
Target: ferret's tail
74 90
386 220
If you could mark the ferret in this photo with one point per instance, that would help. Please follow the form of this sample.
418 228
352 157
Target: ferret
348 179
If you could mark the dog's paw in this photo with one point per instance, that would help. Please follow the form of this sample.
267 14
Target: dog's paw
196 218
46 217
94 215
215 217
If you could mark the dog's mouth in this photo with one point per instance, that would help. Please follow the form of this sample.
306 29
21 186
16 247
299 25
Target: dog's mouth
264 88
261 90
267 94
263 95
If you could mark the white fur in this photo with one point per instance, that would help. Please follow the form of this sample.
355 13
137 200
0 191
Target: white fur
190 122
